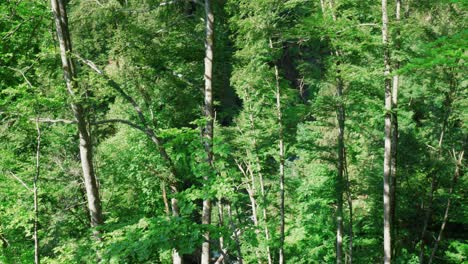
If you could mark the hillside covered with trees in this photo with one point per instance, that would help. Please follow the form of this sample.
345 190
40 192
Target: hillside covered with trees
233 131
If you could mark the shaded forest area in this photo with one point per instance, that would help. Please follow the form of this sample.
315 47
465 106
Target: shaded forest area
233 131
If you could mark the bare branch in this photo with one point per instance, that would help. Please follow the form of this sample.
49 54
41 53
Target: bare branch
48 120
123 121
22 74
21 181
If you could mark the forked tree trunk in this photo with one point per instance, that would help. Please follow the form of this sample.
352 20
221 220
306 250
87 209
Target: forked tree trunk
388 138
85 144
208 129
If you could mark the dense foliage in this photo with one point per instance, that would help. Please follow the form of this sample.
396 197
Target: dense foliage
283 71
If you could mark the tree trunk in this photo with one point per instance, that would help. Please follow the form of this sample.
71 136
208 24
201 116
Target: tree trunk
36 207
388 138
350 206
340 179
208 130
85 145
222 258
281 160
447 208
426 219
393 168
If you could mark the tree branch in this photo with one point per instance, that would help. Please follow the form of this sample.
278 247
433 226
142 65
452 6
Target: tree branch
48 120
123 121
21 181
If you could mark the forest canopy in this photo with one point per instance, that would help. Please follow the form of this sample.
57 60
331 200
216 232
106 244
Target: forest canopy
233 131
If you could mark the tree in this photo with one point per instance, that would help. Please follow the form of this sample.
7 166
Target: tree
208 114
79 112
388 137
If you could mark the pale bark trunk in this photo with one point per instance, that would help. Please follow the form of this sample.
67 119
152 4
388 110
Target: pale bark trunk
222 258
36 206
281 161
388 138
393 168
447 207
85 145
208 112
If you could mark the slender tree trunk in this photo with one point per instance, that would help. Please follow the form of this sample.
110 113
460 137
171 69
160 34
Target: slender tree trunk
340 180
350 206
393 168
447 207
85 145
208 112
222 258
426 219
281 161
36 207
176 257
388 138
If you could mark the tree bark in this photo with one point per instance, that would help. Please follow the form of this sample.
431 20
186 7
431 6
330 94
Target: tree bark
208 129
36 206
388 139
447 207
85 145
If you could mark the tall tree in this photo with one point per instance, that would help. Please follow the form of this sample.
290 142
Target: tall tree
79 112
209 116
388 137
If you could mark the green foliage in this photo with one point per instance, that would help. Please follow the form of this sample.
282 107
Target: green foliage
155 50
